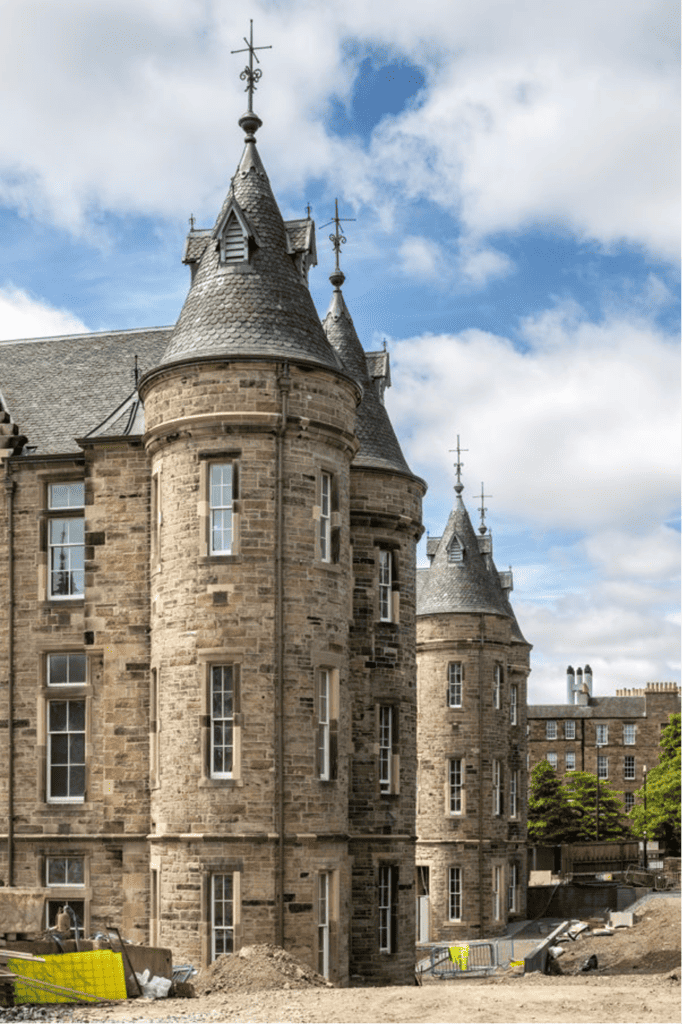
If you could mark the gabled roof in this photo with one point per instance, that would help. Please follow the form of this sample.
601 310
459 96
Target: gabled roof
379 446
260 307
57 389
470 585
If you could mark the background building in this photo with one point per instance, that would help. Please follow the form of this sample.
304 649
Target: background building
473 665
612 737
208 629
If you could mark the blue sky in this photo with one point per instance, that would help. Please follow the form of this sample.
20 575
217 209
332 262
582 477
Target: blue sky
512 172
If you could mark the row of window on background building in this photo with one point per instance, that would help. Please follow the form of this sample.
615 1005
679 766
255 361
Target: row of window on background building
455 690
601 732
629 766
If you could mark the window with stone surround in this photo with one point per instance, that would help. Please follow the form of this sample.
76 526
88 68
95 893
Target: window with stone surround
497 788
514 794
629 734
497 686
553 759
219 507
66 669
629 799
455 684
65 872
570 760
602 767
326 512
76 910
456 785
65 540
455 894
222 914
327 714
513 704
602 735
324 879
629 767
223 707
513 889
550 729
569 730
497 892
388 907
385 585
389 765
66 751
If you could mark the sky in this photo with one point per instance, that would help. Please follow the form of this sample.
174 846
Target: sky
509 171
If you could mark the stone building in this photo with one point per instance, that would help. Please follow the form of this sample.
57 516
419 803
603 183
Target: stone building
615 738
472 670
207 632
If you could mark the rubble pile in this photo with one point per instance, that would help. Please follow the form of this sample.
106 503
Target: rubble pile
650 946
257 967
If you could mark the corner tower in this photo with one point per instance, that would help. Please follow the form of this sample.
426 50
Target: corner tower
250 431
385 524
473 664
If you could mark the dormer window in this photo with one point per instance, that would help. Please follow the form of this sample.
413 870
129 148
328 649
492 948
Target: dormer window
234 244
455 550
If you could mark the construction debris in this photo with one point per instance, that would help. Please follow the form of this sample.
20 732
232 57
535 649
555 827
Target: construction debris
256 967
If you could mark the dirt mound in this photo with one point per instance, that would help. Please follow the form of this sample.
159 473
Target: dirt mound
651 946
257 967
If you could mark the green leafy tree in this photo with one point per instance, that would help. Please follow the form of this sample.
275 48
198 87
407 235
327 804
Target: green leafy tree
584 792
662 818
550 815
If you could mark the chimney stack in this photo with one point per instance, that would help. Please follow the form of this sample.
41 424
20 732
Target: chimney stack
570 685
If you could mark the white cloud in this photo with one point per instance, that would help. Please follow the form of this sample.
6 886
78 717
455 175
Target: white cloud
531 113
420 257
24 316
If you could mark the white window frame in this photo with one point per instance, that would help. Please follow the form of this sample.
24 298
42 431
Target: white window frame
497 788
73 659
629 768
629 734
628 801
325 534
70 547
512 888
602 767
222 914
456 785
324 696
221 508
385 585
70 764
569 730
602 735
78 870
455 894
455 684
513 705
497 892
222 724
513 794
323 935
553 759
386 736
550 729
570 766
497 686
385 900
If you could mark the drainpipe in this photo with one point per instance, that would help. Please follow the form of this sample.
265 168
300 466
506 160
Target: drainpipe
283 387
481 627
9 491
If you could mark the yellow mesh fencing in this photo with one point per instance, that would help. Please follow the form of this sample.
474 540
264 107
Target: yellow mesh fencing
70 978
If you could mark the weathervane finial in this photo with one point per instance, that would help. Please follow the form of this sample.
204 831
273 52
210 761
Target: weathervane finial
250 122
337 239
459 486
482 509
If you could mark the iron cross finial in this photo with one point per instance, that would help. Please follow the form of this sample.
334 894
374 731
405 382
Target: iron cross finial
482 509
249 75
459 486
337 239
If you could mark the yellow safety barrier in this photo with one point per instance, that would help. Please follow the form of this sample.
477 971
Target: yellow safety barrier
69 978
459 955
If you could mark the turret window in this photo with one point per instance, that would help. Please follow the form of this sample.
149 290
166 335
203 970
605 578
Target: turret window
497 687
455 550
455 681
234 243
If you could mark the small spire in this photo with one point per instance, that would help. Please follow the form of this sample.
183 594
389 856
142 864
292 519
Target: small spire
459 486
309 210
482 509
191 222
337 240
249 121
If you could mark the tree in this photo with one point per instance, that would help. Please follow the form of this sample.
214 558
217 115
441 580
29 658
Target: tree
583 791
550 815
662 818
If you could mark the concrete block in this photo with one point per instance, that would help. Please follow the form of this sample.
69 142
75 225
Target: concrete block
621 919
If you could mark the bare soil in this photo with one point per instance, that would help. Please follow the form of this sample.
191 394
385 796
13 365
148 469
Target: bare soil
638 980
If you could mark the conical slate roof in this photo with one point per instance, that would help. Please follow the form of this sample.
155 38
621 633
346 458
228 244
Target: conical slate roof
260 307
470 585
379 446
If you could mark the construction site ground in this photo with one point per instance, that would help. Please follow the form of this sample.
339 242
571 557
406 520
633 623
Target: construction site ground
638 980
